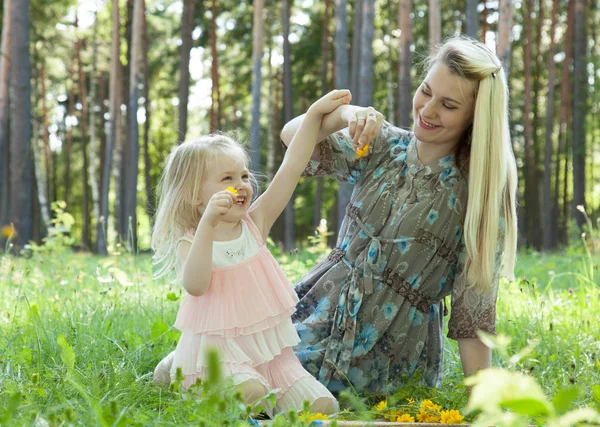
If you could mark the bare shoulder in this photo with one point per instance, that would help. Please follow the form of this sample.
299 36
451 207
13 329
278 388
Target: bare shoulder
183 249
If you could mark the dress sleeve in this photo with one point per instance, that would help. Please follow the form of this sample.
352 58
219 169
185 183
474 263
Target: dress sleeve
470 310
338 159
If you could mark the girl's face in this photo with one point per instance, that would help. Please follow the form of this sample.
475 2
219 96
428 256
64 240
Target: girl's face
228 171
443 107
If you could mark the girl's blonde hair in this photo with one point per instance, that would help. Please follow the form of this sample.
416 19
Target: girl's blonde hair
492 176
179 190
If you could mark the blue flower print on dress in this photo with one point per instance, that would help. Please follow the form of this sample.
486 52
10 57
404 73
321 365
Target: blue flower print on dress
414 281
433 216
435 309
365 340
377 372
389 310
357 378
305 333
446 162
321 311
452 198
345 243
307 354
458 231
443 281
369 228
415 317
382 264
378 172
404 243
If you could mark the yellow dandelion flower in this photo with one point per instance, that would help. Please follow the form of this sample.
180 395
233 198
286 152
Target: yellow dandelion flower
392 415
405 418
312 417
232 190
361 152
381 406
451 417
8 231
410 401
427 416
428 404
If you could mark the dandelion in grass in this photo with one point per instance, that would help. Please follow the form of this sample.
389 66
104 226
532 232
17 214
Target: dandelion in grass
410 401
405 418
426 416
381 406
309 416
8 231
451 417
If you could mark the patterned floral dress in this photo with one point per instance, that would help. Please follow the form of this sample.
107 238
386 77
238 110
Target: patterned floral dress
372 311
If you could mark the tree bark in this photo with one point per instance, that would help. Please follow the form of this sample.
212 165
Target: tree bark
289 237
356 54
404 85
215 108
580 88
435 23
113 133
505 23
93 169
85 232
258 39
136 79
21 176
187 27
324 90
531 208
366 53
5 61
45 189
550 230
148 110
472 18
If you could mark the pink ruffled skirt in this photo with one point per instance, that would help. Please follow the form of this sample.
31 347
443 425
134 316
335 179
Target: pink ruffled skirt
246 316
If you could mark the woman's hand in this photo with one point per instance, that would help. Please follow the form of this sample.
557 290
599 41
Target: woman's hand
363 123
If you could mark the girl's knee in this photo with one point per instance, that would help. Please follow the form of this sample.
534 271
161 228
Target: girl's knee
324 405
252 390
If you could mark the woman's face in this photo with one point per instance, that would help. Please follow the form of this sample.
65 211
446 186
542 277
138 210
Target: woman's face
443 107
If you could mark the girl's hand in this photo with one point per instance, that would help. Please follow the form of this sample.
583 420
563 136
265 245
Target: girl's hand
364 124
218 206
330 102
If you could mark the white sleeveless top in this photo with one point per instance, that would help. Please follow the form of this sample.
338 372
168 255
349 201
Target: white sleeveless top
232 252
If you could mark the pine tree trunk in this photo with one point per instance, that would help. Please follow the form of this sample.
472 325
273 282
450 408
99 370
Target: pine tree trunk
472 18
404 85
435 23
215 108
113 133
4 123
324 90
148 110
356 54
136 79
289 239
85 232
187 27
580 78
258 39
21 176
505 23
366 53
531 210
550 230
93 169
45 141
69 136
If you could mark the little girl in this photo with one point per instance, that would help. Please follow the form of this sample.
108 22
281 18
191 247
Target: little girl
238 300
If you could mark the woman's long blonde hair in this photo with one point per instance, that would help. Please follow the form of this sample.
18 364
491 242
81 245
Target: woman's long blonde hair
492 176
179 190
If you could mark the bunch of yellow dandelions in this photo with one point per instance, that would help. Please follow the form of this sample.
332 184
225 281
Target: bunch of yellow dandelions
426 412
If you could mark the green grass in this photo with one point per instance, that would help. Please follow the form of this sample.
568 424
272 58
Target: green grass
80 336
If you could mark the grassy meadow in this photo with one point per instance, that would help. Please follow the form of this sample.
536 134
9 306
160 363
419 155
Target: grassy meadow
80 336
